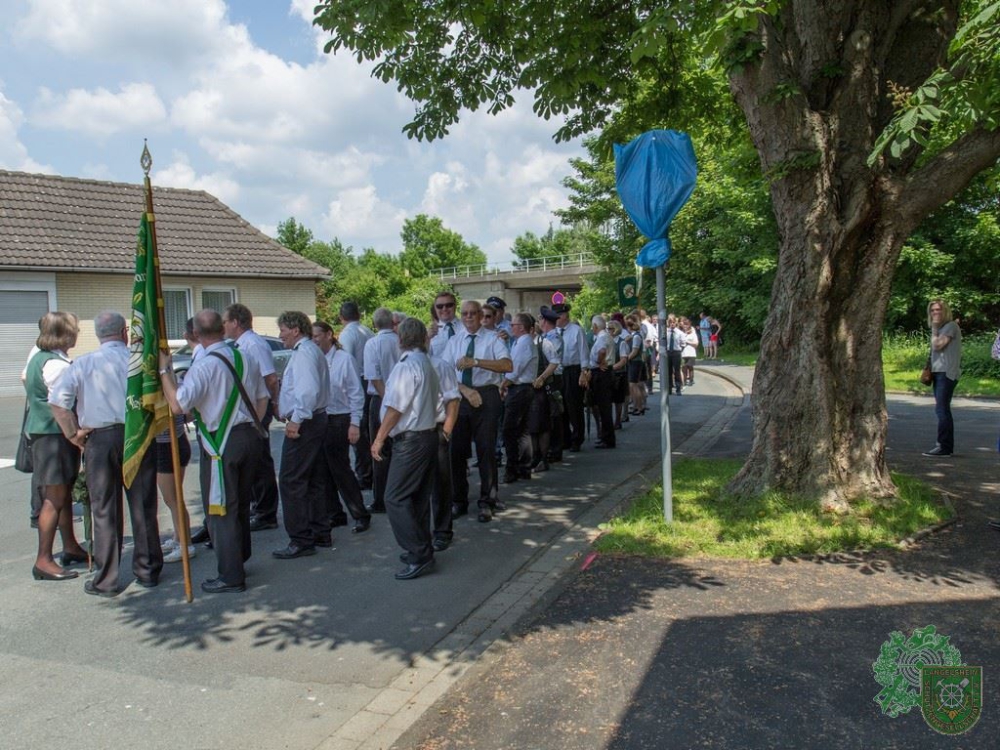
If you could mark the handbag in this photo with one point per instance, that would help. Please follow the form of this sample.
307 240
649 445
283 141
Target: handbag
22 459
926 377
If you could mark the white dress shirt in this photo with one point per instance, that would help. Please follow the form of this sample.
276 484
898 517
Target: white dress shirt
602 341
346 396
252 345
413 391
209 383
447 386
95 384
353 338
381 355
446 332
487 346
624 343
555 350
524 355
675 340
575 349
305 387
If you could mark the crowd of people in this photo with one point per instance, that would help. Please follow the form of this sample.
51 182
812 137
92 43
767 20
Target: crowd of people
511 392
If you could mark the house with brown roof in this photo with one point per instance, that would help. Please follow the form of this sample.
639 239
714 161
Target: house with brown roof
69 244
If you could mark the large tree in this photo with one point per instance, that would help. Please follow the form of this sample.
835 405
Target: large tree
428 244
867 115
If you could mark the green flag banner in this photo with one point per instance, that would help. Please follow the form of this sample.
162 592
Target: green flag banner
146 412
627 296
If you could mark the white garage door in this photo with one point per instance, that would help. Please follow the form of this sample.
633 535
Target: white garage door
19 314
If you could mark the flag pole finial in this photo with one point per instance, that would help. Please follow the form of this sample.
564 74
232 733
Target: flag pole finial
146 160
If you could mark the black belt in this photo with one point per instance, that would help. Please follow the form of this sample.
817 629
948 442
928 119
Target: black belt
413 433
243 426
108 427
519 385
484 387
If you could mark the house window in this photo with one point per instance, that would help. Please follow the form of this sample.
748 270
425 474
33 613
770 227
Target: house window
176 311
217 299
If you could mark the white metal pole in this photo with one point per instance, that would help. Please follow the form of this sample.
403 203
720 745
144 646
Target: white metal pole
661 326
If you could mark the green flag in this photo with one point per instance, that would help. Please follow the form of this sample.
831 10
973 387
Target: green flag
146 411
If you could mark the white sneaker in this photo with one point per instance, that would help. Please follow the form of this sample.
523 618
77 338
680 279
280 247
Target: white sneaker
168 545
175 554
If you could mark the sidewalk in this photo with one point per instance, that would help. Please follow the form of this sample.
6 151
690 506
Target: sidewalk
635 653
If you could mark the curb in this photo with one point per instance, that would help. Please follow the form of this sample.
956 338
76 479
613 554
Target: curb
395 709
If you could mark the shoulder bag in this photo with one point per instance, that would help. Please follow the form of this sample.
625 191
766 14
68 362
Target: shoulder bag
22 460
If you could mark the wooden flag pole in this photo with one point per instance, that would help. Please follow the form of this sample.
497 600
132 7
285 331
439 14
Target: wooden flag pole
182 532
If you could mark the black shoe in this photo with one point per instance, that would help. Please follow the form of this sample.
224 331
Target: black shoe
994 524
90 588
327 542
457 511
259 524
509 478
555 458
485 516
543 466
339 521
937 450
209 545
604 446
360 527
376 508
150 584
68 558
440 545
292 551
498 506
415 570
201 535
40 575
217 586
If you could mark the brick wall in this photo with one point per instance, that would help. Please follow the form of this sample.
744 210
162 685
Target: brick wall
87 294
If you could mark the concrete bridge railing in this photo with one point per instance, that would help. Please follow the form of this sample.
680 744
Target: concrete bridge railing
550 263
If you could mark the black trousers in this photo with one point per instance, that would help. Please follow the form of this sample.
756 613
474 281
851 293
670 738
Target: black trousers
601 391
574 430
337 479
408 493
300 469
264 504
441 497
380 469
479 426
674 371
231 532
516 440
363 448
105 452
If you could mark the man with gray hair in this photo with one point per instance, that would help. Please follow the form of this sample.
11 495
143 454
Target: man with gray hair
353 337
88 403
381 355
602 380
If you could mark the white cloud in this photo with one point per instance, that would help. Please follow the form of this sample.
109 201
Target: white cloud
180 174
13 153
361 214
100 113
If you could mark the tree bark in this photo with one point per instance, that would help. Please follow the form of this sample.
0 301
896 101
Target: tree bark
818 394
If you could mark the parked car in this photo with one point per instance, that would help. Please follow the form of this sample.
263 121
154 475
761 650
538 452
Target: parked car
182 357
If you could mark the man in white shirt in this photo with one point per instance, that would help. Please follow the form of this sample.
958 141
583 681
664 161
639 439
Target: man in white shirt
230 447
343 428
409 417
447 416
381 355
481 358
237 323
576 357
305 391
676 340
518 394
353 337
88 402
447 324
602 381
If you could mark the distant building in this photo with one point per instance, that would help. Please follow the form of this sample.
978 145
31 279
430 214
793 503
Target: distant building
69 244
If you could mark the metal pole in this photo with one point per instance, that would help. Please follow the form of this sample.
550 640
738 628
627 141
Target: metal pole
661 327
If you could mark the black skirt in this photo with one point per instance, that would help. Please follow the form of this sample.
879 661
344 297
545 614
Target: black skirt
56 460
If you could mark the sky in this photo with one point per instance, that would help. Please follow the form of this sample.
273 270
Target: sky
237 98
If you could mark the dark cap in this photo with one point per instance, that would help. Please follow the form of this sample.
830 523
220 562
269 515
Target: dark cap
549 314
495 301
561 308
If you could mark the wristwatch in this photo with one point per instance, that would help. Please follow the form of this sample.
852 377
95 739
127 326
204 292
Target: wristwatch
475 363
164 371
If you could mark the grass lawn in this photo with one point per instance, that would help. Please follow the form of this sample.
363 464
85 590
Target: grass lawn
708 523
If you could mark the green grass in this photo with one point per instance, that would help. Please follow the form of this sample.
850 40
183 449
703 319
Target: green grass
710 523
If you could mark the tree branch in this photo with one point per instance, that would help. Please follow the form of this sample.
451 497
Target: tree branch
938 181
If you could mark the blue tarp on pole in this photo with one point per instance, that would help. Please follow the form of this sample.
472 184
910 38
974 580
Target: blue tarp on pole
655 175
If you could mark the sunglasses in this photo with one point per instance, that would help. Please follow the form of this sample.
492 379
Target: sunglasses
444 305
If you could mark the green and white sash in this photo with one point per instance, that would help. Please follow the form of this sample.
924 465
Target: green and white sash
214 444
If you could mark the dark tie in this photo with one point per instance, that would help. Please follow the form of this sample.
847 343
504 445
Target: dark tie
470 352
451 330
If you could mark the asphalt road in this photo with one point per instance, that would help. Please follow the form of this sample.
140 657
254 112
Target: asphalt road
327 651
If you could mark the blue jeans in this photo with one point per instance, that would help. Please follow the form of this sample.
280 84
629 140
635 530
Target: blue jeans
944 387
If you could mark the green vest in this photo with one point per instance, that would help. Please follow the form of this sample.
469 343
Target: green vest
40 420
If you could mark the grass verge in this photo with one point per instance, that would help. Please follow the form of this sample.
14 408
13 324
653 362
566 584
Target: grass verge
709 523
